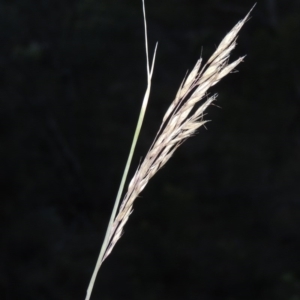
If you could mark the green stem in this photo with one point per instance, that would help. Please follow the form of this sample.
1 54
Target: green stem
108 236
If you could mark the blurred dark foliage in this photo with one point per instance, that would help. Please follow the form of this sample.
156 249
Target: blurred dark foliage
220 221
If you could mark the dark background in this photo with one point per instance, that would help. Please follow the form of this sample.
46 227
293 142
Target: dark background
220 221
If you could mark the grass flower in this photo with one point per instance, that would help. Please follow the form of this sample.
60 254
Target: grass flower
181 121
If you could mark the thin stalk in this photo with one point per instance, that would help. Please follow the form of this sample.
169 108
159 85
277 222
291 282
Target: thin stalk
127 166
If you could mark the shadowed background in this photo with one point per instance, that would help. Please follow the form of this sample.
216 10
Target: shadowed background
220 221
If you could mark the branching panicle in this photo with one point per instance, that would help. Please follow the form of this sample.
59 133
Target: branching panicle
179 123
